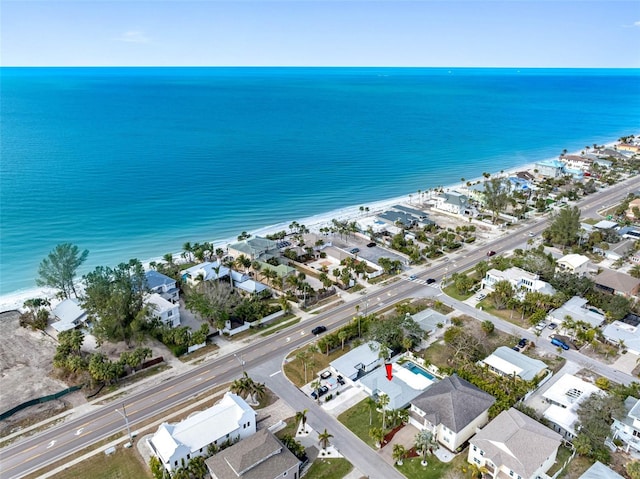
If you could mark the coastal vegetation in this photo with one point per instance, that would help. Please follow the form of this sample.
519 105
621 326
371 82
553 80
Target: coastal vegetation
58 269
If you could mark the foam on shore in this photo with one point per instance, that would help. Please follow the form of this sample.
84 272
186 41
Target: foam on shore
15 300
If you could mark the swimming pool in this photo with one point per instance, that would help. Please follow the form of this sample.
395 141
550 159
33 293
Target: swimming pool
415 369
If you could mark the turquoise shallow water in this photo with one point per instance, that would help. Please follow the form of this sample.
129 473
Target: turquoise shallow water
133 162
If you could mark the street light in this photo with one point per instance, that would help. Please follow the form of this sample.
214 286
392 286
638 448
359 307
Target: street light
126 421
240 360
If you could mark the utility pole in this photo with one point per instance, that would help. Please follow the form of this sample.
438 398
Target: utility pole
126 421
240 360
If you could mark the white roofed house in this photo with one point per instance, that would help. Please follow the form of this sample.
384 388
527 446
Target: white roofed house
163 310
359 361
574 264
577 309
162 284
69 315
564 397
514 446
577 162
229 420
521 280
507 362
625 332
206 271
627 426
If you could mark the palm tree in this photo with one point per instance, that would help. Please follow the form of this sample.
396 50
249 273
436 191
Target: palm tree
301 417
377 434
383 402
315 385
323 439
372 404
424 443
303 356
399 453
197 467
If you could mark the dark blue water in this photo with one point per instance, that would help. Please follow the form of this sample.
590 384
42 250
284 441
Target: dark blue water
133 162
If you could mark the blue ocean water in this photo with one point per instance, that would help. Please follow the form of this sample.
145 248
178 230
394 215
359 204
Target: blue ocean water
133 162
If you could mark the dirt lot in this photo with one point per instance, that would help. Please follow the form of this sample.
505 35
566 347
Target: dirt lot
25 368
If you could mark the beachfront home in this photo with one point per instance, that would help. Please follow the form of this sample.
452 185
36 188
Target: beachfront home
207 271
574 264
577 162
521 280
550 168
359 361
625 332
244 282
162 284
227 421
507 362
578 309
256 249
515 446
564 398
452 409
164 311
400 219
421 216
452 202
261 456
626 428
69 315
614 282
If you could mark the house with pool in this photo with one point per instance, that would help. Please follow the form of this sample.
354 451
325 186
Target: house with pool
452 409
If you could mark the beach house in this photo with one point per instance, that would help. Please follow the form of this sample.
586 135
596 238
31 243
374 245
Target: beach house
256 249
359 361
564 397
521 280
577 309
207 271
615 282
452 409
625 332
227 421
507 362
550 168
452 202
626 427
165 311
514 446
69 315
574 264
600 471
162 284
261 456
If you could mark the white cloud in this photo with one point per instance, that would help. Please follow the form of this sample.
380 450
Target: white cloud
636 24
134 36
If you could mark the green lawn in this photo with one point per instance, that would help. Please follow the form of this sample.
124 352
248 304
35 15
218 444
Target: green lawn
329 469
453 292
564 453
356 419
123 464
412 468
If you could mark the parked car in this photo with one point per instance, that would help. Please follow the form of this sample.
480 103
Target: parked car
552 326
340 379
325 374
516 348
431 281
522 343
321 392
371 245
480 296
541 325
491 253
318 329
531 234
354 250
560 343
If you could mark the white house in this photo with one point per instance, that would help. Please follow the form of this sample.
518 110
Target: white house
521 280
514 445
452 202
577 309
163 310
229 420
574 264
576 162
564 396
507 362
261 456
550 168
406 385
626 332
359 361
163 285
204 272
627 427
452 409
69 315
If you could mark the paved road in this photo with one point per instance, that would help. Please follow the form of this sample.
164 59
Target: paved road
33 453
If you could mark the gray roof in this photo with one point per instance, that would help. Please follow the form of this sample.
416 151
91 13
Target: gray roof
455 198
412 211
508 361
260 456
365 354
617 281
453 402
576 307
517 441
600 471
398 216
400 393
428 319
155 279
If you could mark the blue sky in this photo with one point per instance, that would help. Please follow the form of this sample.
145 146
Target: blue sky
517 33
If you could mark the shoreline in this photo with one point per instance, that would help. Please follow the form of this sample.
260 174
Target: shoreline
15 299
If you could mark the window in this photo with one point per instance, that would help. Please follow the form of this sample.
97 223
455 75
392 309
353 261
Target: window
188 456
476 460
169 313
285 473
511 473
475 448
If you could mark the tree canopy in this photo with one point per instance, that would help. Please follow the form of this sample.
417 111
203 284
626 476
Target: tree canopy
565 227
496 196
114 299
59 268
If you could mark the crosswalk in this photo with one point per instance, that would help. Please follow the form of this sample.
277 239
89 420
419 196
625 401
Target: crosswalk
422 281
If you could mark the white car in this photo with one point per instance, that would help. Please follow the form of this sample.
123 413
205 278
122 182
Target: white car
480 296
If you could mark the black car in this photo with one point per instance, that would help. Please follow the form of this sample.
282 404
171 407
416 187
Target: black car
318 329
320 392
431 281
371 245
340 379
516 348
491 253
523 342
